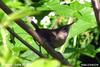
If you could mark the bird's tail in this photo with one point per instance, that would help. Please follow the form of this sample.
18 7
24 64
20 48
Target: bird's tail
71 24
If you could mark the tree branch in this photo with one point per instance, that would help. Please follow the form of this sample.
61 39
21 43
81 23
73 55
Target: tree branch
96 8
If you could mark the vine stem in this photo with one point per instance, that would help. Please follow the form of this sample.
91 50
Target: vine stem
75 39
3 34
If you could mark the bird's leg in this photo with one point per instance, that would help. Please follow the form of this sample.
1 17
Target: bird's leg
39 47
12 38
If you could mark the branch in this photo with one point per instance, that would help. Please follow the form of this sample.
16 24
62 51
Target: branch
33 33
96 8
24 42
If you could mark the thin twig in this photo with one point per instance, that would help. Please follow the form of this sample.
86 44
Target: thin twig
24 42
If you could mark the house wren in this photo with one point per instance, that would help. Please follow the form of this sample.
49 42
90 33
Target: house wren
54 37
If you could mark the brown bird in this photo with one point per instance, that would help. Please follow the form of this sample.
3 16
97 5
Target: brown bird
55 37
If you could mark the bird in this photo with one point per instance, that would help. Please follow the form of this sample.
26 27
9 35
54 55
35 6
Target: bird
54 37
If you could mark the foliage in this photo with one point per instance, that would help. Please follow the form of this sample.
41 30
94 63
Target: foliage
82 39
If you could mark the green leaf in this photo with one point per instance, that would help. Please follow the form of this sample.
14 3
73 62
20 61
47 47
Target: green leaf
62 10
98 50
76 6
1 15
89 50
44 63
81 26
14 4
20 14
29 56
